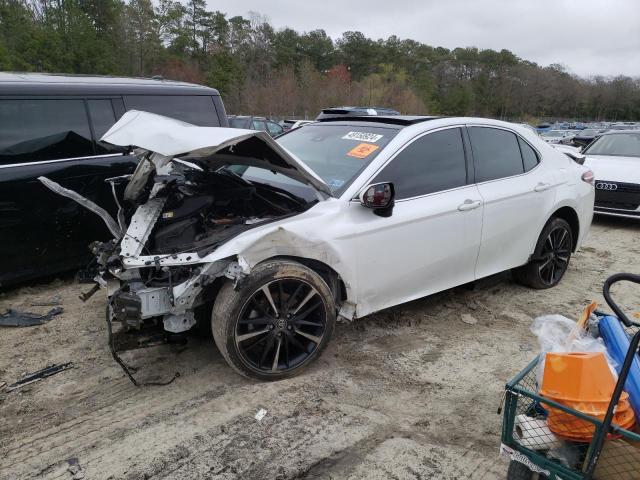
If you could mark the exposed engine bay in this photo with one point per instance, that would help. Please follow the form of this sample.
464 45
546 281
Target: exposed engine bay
203 209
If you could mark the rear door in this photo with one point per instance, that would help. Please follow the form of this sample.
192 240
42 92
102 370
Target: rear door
431 241
518 191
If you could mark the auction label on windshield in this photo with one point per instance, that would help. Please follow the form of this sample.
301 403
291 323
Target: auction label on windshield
363 136
363 150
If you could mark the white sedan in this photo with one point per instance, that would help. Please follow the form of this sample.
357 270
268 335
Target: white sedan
614 157
342 217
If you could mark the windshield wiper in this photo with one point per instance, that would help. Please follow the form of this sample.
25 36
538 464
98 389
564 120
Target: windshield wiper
291 196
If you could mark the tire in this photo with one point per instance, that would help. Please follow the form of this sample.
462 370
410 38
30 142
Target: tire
276 336
550 258
519 471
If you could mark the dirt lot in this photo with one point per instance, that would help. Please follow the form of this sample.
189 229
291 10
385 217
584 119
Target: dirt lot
410 392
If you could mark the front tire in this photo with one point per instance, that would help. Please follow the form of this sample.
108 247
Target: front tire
277 323
550 258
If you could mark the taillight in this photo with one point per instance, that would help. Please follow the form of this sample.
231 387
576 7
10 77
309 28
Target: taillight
588 177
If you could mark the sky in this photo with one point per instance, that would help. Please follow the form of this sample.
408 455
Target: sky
588 37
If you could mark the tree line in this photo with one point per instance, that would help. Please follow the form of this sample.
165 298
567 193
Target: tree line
284 73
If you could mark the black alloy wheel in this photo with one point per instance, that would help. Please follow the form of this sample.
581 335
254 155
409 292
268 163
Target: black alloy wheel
555 255
276 323
281 325
551 256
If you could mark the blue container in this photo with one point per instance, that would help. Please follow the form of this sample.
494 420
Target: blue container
617 343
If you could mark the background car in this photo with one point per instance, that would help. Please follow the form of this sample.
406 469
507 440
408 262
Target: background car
557 136
585 137
256 123
51 125
614 157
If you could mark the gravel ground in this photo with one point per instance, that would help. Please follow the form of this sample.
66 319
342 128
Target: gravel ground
410 392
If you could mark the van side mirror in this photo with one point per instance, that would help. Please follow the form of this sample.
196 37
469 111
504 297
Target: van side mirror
380 197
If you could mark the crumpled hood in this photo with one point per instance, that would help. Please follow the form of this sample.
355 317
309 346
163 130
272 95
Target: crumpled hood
618 169
173 138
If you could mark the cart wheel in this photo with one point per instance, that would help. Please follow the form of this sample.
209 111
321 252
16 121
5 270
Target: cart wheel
519 471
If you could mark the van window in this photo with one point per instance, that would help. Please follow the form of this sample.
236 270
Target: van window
102 118
196 109
35 130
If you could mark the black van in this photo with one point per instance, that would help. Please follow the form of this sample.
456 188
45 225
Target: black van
50 125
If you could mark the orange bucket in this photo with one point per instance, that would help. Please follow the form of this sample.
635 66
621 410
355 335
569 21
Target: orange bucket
577 377
582 382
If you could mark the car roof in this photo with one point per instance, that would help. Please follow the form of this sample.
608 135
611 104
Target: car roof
18 83
399 120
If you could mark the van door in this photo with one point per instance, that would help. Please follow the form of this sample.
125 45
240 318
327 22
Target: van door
41 232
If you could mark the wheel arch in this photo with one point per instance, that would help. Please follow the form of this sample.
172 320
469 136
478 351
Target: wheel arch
569 215
329 275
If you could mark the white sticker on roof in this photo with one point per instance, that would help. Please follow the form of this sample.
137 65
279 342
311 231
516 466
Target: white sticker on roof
362 136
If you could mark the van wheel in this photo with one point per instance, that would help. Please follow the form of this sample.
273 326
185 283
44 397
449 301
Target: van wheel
277 323
550 258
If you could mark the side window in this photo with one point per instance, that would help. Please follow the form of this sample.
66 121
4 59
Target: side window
35 130
432 163
274 128
496 153
529 156
258 125
196 109
102 118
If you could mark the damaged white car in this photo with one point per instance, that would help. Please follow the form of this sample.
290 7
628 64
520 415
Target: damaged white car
341 217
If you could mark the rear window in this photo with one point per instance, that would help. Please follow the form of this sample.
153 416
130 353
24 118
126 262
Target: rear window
337 153
197 109
35 130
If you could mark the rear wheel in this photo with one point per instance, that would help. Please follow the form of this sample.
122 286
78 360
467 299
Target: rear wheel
277 323
550 258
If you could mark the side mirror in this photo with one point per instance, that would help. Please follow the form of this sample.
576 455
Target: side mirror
380 197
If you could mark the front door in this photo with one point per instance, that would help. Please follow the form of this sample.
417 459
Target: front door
431 241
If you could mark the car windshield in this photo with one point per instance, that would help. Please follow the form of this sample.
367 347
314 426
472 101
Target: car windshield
618 144
337 153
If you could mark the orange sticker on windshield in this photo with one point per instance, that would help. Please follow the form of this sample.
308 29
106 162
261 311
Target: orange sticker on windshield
363 150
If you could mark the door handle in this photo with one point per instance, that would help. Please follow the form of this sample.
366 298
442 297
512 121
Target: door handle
469 205
541 187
